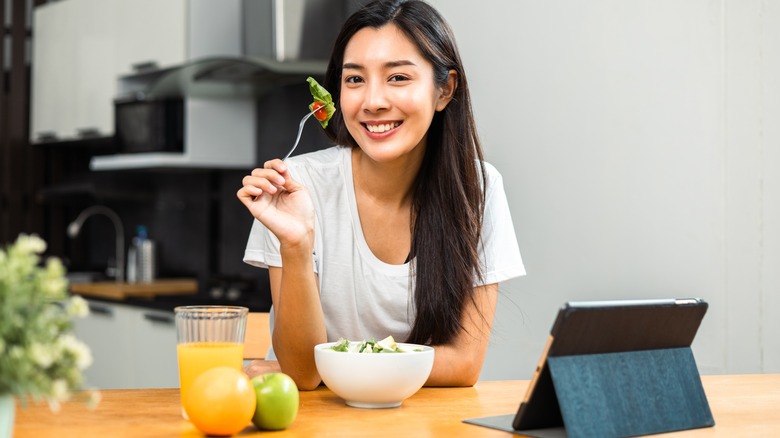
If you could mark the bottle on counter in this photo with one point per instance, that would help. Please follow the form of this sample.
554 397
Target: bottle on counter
141 258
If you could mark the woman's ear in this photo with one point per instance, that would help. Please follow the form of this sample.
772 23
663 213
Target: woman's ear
448 90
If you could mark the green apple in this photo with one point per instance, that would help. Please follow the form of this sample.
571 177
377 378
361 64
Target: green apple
277 401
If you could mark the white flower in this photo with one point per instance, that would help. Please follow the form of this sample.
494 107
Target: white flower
94 399
78 307
59 389
54 267
53 287
84 357
78 349
30 244
54 282
43 355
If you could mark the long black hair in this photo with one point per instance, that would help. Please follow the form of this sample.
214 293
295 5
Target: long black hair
449 190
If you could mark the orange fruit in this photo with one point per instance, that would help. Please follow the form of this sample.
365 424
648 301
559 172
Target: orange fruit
220 401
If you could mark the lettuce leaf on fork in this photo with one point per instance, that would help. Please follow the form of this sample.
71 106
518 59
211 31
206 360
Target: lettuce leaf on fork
321 95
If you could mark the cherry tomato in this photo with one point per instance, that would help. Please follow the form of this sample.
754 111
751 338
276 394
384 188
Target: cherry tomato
321 114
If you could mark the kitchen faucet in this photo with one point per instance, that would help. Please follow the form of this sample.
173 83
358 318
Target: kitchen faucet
75 226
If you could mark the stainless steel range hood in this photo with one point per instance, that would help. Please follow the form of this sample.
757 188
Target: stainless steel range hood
245 48
218 77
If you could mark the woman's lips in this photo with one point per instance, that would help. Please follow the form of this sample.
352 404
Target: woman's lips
381 129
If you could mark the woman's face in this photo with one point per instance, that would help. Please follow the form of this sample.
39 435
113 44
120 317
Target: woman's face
388 95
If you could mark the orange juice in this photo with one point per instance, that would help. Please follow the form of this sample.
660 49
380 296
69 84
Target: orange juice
197 357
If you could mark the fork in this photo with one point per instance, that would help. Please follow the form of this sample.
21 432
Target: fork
300 130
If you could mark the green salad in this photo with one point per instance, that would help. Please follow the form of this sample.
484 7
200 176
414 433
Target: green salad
323 102
386 345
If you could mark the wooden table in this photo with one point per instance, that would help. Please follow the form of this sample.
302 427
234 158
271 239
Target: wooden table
747 405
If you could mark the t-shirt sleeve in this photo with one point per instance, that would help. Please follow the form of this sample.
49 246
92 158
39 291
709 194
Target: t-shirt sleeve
262 248
499 250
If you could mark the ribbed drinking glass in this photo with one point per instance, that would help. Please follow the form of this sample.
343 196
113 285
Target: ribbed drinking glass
208 337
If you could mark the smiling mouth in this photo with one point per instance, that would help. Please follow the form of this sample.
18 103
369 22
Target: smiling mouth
382 127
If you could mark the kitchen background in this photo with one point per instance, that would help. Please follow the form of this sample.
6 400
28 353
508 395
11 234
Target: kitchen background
639 144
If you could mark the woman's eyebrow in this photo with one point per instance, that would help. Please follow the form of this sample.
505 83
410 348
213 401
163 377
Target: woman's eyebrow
399 63
389 64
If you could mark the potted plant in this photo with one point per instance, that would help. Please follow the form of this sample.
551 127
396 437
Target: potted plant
40 358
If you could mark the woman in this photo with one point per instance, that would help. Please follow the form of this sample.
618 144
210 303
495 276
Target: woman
401 230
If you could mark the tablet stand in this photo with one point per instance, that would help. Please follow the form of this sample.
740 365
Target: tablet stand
629 393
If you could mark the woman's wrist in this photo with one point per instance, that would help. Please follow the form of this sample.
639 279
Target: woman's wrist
301 249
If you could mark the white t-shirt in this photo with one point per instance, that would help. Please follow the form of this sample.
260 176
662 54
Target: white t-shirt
363 297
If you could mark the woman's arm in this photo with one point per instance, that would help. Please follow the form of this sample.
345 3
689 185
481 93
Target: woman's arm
460 362
299 324
285 208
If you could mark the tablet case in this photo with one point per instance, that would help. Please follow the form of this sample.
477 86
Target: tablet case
616 369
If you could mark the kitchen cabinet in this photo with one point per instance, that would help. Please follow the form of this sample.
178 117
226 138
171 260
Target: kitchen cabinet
132 347
73 82
155 360
106 330
94 83
53 72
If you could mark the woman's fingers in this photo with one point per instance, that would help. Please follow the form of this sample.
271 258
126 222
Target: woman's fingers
259 182
269 179
258 367
248 195
269 184
269 174
279 202
275 164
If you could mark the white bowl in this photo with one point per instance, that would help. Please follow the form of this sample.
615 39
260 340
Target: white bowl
375 380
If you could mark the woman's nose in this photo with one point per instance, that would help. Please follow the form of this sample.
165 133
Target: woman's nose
375 98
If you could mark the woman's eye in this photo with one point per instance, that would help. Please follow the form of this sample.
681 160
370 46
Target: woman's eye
353 79
398 78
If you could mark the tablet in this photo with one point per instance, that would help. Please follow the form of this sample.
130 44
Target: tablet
594 327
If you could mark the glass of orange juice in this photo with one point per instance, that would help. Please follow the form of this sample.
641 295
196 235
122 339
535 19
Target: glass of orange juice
208 337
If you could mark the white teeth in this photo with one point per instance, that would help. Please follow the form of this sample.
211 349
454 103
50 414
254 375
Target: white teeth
378 129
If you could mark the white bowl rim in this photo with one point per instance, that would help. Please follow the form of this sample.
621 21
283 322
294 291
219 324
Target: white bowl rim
407 347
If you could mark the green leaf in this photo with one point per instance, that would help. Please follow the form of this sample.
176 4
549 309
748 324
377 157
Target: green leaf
320 94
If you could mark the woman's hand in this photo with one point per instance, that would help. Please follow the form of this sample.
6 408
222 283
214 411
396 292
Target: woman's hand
279 203
259 367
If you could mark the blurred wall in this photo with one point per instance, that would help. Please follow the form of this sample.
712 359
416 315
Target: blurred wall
640 147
